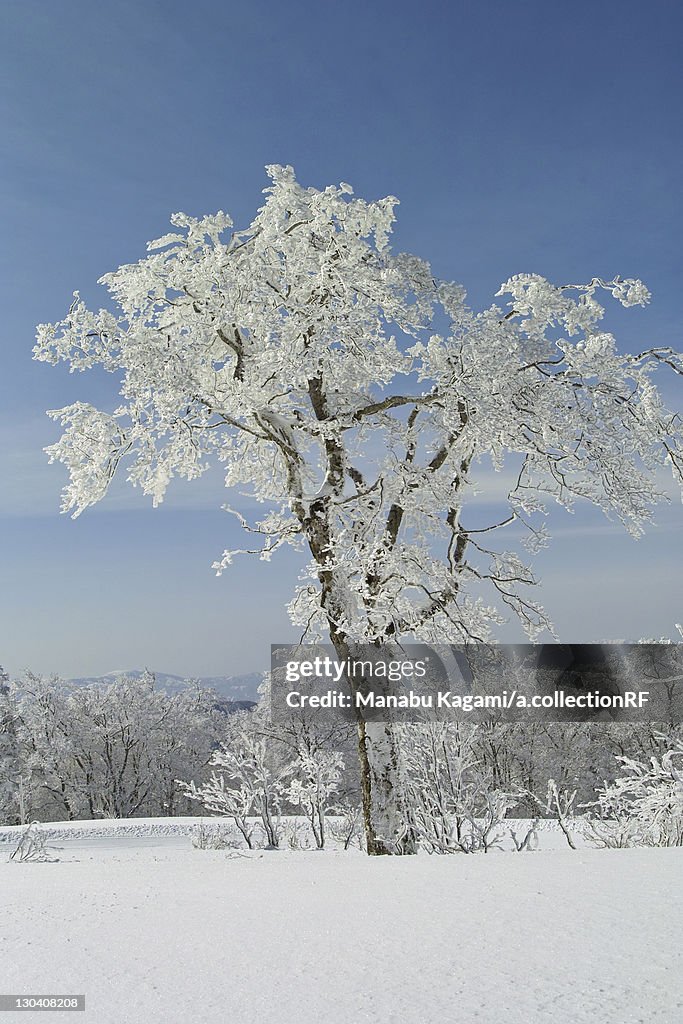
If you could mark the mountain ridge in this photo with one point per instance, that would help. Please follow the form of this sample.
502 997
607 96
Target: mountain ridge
232 688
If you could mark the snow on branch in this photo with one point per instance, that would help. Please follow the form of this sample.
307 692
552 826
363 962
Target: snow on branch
307 357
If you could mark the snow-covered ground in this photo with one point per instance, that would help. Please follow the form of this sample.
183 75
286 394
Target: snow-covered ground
154 931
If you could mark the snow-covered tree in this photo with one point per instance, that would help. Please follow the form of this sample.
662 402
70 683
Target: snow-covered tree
357 397
643 806
14 776
111 751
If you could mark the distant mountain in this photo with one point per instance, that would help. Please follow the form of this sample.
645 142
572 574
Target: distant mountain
230 688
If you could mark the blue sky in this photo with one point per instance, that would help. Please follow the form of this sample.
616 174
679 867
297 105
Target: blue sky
518 137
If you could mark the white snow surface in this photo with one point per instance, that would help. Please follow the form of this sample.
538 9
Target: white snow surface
154 931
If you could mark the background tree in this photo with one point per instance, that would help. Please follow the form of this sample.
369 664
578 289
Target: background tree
356 395
14 777
111 751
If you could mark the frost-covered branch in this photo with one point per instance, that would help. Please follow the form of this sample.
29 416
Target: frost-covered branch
306 358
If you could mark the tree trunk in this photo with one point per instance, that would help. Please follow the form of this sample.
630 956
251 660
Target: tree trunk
388 827
386 816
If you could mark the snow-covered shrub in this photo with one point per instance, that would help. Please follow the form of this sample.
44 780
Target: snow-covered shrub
644 806
455 806
297 834
560 805
232 799
314 788
526 838
346 826
246 780
32 846
211 837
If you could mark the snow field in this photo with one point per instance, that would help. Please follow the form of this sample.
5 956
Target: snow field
156 932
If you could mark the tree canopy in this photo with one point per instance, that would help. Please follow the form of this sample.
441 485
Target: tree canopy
353 393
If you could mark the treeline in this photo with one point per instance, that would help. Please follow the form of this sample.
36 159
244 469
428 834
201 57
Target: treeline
130 749
117 751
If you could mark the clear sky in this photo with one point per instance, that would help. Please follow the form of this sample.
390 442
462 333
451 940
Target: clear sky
519 137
